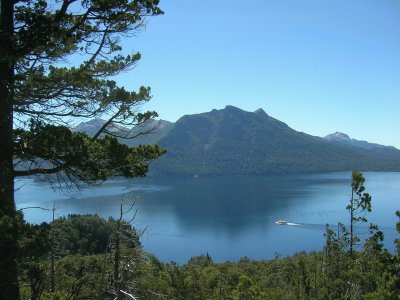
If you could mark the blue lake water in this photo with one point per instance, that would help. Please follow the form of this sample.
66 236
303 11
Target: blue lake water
228 217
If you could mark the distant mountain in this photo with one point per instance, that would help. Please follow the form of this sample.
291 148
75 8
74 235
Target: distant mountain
236 142
91 127
342 138
148 133
233 141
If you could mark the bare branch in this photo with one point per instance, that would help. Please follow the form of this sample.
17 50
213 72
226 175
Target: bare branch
39 207
29 172
129 295
102 128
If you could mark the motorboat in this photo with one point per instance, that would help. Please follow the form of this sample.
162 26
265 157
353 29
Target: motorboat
281 222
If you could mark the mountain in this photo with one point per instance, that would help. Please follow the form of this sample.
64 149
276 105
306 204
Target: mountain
342 138
233 141
148 133
236 142
92 126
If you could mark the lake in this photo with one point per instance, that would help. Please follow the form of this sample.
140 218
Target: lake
227 217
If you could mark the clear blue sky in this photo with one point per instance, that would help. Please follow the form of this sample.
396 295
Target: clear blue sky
320 66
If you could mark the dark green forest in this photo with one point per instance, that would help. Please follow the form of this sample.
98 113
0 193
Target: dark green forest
235 142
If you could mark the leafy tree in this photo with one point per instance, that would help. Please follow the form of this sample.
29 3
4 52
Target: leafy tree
245 289
84 234
373 244
85 248
360 203
348 272
79 277
34 245
40 97
336 260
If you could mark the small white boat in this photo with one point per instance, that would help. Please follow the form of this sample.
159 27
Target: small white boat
281 222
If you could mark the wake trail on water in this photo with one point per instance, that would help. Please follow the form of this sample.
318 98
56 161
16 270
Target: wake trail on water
293 224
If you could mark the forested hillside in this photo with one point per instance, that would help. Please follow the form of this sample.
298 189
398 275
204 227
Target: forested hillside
233 141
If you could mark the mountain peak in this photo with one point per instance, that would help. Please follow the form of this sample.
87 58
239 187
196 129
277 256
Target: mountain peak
90 127
260 111
232 108
337 136
342 138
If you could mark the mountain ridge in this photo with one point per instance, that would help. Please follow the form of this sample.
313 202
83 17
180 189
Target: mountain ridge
342 138
231 141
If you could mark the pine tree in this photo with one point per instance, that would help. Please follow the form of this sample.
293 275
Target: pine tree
56 61
360 203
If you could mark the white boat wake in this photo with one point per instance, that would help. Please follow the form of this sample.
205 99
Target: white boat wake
282 222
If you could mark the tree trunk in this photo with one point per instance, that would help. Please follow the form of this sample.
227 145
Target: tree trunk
117 255
53 255
9 218
351 221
